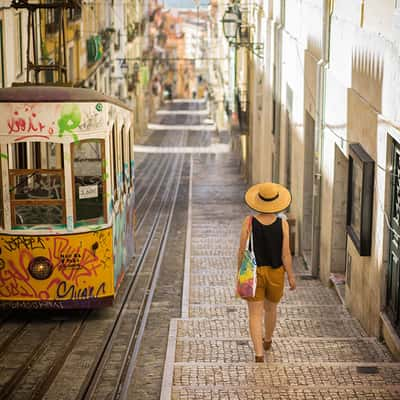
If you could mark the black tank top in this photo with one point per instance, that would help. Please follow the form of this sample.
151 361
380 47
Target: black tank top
267 240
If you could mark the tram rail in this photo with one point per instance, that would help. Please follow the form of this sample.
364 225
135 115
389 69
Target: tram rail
44 382
120 387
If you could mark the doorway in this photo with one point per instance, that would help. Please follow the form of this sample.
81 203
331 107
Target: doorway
393 276
308 178
338 263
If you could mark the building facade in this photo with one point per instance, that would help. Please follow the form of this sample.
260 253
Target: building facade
325 122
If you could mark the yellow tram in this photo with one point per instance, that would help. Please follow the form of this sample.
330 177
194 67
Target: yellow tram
67 179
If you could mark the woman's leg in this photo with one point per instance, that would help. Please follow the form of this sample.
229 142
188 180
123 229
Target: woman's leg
270 318
256 324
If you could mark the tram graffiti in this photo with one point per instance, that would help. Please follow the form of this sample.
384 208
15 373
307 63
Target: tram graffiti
33 120
81 266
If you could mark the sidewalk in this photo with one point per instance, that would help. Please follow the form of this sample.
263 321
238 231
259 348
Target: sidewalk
319 350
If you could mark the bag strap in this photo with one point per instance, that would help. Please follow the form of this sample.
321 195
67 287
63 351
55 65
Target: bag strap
250 234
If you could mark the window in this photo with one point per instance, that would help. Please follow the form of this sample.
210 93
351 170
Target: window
124 159
113 157
2 80
1 199
74 13
71 64
36 184
18 45
360 198
131 154
88 177
52 18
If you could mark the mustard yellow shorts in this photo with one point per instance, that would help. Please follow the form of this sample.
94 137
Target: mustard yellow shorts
270 284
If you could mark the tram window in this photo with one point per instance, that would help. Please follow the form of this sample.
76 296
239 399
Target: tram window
88 172
21 155
55 157
114 160
37 197
131 153
36 184
125 160
127 167
1 199
39 155
119 156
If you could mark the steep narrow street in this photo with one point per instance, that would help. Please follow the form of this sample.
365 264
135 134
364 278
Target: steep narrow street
319 351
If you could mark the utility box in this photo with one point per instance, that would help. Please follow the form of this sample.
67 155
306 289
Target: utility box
292 232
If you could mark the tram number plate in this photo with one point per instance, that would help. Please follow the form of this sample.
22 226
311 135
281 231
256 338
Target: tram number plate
88 192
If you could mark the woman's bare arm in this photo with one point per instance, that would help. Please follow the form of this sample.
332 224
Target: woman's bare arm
287 256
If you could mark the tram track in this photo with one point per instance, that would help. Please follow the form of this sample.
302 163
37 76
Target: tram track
11 387
135 330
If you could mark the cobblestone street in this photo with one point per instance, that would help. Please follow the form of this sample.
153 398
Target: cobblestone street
319 351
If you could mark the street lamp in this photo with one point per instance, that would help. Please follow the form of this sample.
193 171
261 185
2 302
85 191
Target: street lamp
237 33
231 23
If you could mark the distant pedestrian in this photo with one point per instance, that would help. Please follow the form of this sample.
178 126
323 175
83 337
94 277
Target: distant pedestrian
271 248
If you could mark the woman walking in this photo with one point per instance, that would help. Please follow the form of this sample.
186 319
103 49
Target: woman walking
272 252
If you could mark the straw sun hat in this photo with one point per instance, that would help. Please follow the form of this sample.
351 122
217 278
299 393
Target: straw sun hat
268 197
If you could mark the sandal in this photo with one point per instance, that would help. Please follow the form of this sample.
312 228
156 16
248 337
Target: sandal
267 344
259 359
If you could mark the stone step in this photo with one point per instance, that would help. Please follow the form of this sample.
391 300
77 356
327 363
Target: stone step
213 264
285 393
284 311
274 375
301 296
227 278
283 350
222 251
236 328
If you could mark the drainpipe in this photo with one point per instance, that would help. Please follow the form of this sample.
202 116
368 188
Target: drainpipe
319 139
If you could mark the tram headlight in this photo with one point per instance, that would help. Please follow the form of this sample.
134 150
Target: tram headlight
40 268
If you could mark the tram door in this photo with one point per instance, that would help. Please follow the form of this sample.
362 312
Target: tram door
393 283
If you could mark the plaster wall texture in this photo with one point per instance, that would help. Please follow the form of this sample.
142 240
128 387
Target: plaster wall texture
361 85
267 143
293 65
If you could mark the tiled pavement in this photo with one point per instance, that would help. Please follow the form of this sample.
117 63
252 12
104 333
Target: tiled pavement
319 350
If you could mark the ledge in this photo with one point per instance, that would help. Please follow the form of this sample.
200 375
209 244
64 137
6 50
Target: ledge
390 336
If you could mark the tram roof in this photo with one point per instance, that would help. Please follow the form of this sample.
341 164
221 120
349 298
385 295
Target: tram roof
55 94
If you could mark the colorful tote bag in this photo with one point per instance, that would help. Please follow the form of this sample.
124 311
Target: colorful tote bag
247 274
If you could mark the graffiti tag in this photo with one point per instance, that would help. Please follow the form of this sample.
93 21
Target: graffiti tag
67 291
23 242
